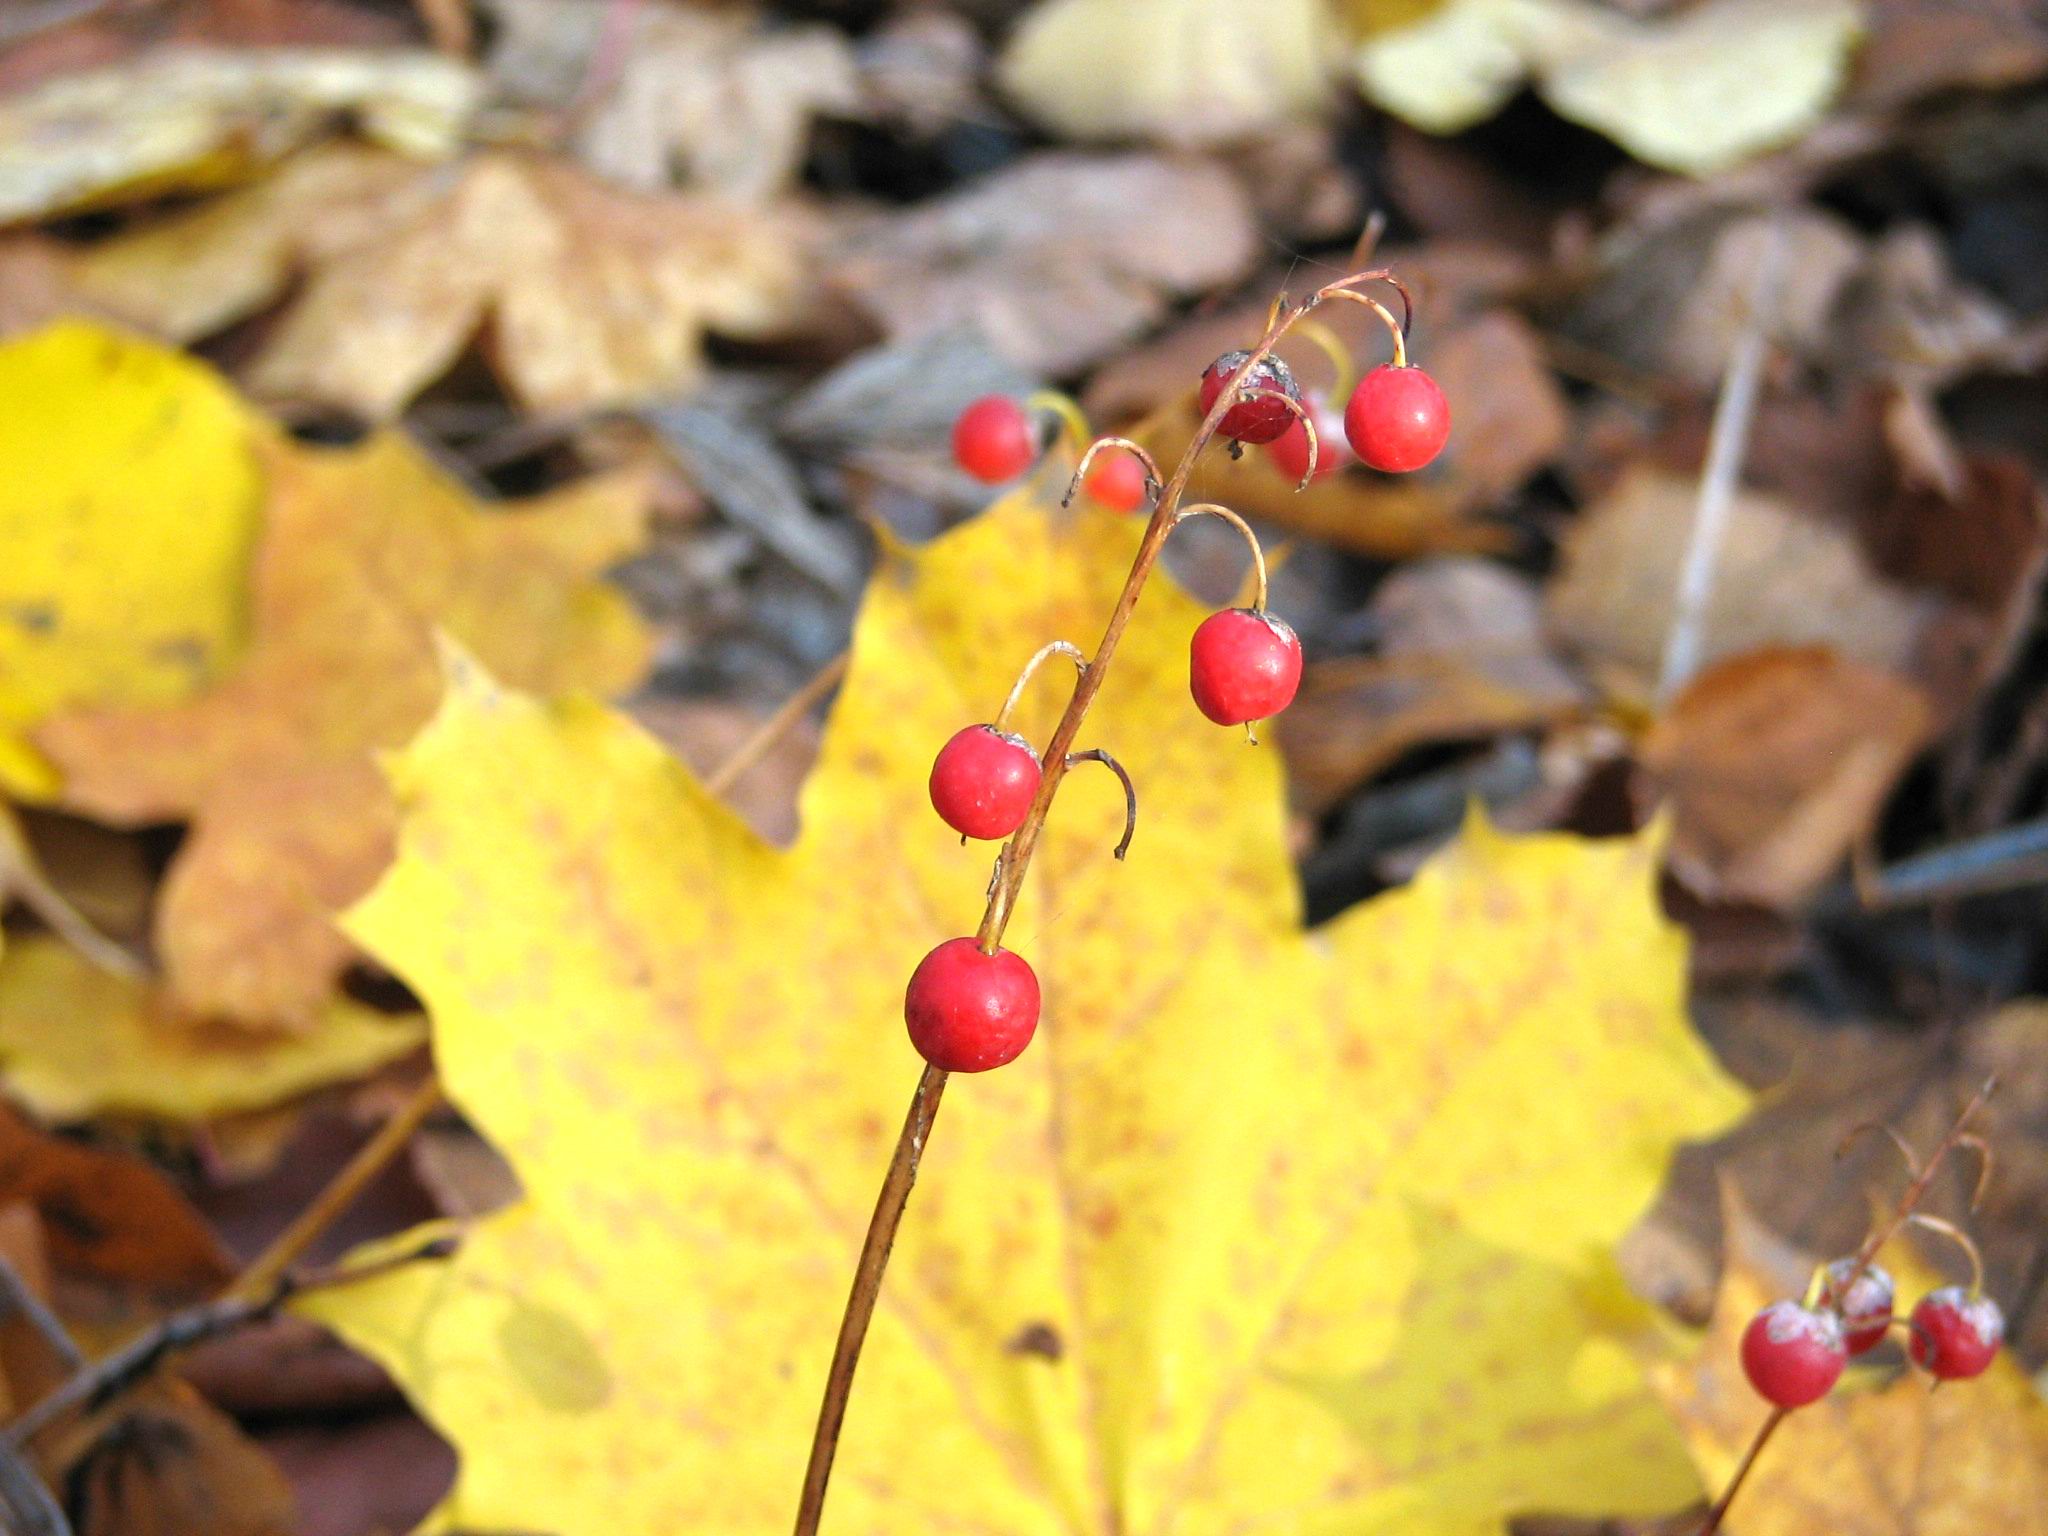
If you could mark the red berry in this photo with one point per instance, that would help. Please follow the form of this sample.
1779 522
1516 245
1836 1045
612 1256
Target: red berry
1865 1307
1956 1334
1290 449
994 439
1117 480
969 1012
1243 665
1793 1355
983 782
1251 421
1397 419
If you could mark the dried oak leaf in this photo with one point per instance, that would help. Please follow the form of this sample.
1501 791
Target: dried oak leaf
1299 1229
100 604
181 119
366 552
583 294
1171 71
1057 260
1775 762
77 1042
1885 1454
107 1215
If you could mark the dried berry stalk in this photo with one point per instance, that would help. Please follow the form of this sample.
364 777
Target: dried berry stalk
1012 865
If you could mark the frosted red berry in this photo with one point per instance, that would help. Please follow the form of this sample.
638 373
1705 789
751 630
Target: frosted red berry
994 439
1955 1334
1398 419
1793 1355
1116 480
970 1012
1289 451
1259 420
983 782
1243 665
1865 1307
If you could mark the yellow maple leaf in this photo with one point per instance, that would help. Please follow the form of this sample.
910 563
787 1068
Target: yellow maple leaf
128 517
1295 1230
365 553
590 294
77 1041
1886 1454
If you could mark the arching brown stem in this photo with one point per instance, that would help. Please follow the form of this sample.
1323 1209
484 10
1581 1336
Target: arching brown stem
1097 755
1011 868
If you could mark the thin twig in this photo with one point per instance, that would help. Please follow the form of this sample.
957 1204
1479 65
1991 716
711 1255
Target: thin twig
1011 867
1756 1448
757 746
19 1298
31 1509
342 1191
1727 442
114 1373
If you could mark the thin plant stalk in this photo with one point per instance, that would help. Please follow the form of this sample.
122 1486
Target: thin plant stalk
1011 868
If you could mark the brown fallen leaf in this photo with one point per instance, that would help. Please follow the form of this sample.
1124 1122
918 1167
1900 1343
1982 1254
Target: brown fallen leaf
1774 763
1914 47
583 294
161 1461
710 99
1462 657
366 552
1884 1455
1058 260
107 1216
1782 579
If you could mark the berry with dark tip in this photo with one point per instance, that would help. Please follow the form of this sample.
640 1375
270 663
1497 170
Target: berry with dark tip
983 782
970 1012
1793 1355
994 439
1256 420
1398 419
1243 665
1865 1307
1956 1335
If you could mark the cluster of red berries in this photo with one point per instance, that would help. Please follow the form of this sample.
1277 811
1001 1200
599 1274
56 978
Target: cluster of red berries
971 1007
1794 1353
1396 420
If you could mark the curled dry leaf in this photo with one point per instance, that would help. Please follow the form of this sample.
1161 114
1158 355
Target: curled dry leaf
77 1042
162 1461
1696 91
585 295
1240 1238
1883 1452
107 1216
1057 260
1774 763
194 118
366 553
708 98
1781 578
1171 71
99 605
